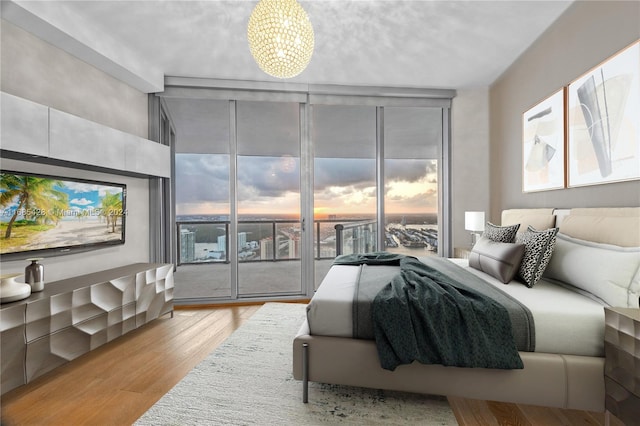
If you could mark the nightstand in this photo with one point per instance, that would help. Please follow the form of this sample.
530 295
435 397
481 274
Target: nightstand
461 252
622 364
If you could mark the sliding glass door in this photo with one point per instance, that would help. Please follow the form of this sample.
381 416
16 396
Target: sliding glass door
203 205
376 180
412 148
268 192
344 140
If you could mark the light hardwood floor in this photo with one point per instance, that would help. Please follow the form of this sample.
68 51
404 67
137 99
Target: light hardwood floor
116 383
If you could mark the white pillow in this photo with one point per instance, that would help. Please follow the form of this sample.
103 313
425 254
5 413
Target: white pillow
609 272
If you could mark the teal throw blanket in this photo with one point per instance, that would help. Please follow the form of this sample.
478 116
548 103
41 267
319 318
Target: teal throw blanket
424 315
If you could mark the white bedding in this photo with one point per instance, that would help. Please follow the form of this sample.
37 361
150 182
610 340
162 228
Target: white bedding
566 322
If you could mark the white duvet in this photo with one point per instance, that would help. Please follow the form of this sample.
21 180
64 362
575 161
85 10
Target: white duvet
566 322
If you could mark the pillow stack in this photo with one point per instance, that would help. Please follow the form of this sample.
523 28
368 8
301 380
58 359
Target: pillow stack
504 253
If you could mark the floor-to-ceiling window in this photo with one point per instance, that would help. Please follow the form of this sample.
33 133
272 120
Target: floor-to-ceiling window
203 205
412 148
344 193
268 193
270 185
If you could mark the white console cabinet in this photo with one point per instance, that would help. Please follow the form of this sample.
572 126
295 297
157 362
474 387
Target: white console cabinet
74 316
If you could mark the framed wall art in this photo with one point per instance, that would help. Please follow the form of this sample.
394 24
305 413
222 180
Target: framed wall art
604 121
543 144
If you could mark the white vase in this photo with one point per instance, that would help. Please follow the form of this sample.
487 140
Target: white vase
12 290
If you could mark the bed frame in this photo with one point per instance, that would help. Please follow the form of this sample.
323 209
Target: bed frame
552 380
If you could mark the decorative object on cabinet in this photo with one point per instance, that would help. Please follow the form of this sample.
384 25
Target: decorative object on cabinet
622 364
604 121
543 141
34 274
12 290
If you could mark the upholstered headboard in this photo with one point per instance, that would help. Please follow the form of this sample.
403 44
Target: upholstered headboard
538 218
597 249
618 226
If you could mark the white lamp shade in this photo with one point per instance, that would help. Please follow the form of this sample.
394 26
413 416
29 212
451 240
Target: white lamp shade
474 221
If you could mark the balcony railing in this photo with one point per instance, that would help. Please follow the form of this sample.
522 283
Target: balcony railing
268 240
279 240
357 237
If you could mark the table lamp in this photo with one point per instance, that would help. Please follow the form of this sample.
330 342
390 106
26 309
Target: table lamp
474 222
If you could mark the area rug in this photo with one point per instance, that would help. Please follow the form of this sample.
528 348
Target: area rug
247 380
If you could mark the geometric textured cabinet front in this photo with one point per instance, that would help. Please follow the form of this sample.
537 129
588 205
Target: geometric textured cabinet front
72 317
622 364
12 348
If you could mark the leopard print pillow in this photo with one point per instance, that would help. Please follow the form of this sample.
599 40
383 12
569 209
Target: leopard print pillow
500 234
538 248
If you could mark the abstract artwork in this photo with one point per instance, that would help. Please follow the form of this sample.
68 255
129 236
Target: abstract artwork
604 121
543 136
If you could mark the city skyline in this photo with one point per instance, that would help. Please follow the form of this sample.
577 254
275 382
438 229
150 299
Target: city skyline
200 242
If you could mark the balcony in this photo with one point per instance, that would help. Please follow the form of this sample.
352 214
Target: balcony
269 253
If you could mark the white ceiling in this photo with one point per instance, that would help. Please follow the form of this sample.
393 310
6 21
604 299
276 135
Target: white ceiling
427 44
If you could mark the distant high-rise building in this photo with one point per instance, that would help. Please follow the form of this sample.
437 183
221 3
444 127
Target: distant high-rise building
187 246
327 251
222 243
242 240
266 249
294 248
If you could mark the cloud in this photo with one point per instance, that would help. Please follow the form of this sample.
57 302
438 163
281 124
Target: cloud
267 176
409 170
274 182
344 172
426 201
81 201
202 178
84 188
81 187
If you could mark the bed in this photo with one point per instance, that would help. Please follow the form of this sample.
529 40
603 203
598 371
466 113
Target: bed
595 263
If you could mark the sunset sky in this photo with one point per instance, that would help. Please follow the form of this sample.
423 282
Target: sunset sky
270 185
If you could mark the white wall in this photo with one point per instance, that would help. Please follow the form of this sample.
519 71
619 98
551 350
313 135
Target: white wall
588 33
469 159
40 72
35 70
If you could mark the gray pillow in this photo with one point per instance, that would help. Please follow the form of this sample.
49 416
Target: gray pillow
538 249
500 260
501 234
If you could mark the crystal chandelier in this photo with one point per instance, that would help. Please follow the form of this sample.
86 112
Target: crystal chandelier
280 37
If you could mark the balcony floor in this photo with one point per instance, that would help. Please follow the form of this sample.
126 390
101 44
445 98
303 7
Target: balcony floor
209 282
204 281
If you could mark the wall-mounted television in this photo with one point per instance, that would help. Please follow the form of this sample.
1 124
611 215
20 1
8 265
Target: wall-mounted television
42 215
